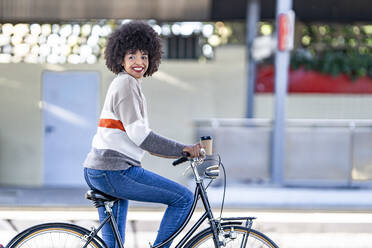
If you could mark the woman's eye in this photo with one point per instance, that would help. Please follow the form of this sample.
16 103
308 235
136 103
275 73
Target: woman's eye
144 57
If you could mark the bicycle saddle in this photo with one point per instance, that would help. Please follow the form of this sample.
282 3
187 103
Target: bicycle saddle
98 197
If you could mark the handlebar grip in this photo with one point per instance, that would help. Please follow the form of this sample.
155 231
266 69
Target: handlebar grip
179 161
182 159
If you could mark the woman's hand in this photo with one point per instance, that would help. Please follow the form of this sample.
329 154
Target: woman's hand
194 150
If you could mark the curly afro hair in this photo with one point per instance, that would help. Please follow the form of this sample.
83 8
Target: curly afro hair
133 36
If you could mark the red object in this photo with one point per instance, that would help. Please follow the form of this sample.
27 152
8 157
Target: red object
111 123
307 81
283 32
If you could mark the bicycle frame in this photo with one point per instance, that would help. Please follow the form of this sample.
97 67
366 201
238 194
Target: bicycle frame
200 191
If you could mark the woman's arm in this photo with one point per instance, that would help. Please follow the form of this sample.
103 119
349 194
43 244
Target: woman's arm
161 146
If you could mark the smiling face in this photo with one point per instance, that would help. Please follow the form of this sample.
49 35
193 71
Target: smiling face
136 63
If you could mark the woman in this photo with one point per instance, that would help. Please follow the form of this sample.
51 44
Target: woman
113 166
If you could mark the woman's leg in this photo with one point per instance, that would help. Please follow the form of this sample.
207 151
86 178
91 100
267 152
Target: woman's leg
150 187
119 210
139 184
96 179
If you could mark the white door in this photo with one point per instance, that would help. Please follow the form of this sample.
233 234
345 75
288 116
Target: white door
70 114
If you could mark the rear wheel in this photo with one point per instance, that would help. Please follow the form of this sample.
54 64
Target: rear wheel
232 237
54 235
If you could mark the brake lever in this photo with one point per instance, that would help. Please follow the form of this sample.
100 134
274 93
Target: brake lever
199 160
196 161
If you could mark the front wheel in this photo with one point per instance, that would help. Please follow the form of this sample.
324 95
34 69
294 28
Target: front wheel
54 235
232 237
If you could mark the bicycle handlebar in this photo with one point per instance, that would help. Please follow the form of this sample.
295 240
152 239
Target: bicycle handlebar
186 155
181 159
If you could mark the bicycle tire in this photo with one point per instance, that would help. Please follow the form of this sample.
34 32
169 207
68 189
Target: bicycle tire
256 239
54 235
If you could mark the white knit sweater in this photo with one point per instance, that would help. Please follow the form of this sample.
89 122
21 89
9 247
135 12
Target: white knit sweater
123 133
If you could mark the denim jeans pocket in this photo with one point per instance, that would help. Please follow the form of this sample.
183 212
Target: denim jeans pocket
134 172
100 180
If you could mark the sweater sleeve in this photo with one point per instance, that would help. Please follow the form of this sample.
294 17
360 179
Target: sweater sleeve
161 146
130 112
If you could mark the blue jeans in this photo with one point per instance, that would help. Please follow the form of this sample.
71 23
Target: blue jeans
138 184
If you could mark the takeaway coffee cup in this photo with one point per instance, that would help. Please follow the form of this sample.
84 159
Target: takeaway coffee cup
206 141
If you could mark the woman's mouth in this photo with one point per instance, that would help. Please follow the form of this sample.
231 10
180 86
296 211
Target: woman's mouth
137 69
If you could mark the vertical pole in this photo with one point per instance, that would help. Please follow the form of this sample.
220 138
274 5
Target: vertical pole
281 82
252 18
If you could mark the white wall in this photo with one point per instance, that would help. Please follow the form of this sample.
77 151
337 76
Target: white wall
20 125
180 92
21 122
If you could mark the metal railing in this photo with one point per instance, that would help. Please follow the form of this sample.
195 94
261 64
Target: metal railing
326 152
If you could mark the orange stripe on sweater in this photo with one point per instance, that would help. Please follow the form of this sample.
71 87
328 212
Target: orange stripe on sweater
111 123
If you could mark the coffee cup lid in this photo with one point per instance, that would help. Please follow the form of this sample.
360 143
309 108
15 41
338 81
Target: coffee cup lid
205 138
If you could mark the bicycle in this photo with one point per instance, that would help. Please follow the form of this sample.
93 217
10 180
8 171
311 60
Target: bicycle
222 232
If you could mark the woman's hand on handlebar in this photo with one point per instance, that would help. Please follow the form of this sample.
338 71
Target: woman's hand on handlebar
194 150
190 152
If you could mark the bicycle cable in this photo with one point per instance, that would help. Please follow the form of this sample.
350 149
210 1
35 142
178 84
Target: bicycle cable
224 182
211 179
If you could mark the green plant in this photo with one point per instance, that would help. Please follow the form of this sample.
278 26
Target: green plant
335 49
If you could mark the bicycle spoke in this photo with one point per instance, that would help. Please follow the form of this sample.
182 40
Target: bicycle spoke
64 243
54 239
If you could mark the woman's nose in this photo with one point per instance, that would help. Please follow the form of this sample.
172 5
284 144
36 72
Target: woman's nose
139 60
